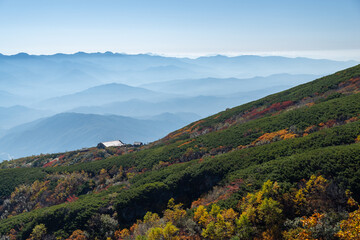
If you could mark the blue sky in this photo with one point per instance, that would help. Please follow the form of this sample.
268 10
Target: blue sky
314 28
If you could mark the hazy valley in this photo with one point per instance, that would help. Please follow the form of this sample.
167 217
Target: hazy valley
139 87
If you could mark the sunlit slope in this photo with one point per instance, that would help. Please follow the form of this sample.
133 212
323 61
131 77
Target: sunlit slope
309 129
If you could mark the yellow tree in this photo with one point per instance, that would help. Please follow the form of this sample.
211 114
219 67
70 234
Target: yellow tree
38 232
261 212
121 234
350 227
217 224
201 215
174 213
306 231
77 235
312 196
169 232
155 233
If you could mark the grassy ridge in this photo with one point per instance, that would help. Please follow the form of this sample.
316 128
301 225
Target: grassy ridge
297 93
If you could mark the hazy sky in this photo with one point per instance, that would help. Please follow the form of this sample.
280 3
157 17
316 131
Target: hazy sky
315 28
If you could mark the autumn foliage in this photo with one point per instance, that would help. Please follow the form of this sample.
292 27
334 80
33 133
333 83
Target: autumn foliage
259 215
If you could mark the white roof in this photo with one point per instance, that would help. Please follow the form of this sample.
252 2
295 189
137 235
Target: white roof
116 143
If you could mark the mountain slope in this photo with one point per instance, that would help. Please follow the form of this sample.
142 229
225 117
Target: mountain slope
16 115
201 105
308 130
8 99
98 95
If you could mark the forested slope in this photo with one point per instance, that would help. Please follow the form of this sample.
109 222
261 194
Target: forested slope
308 132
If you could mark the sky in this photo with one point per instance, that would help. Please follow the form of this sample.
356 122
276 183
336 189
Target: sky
308 28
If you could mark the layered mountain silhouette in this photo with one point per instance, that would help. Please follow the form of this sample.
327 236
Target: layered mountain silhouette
71 131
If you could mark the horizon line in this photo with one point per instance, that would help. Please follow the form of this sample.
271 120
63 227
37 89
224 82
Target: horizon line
286 54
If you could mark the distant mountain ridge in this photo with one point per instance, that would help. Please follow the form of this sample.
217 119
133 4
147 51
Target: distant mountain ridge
202 105
71 131
49 76
223 86
99 95
15 115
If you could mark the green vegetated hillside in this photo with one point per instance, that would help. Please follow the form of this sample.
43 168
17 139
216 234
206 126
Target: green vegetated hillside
282 167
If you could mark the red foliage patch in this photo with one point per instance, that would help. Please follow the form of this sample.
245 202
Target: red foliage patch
219 193
72 198
257 112
350 86
50 163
